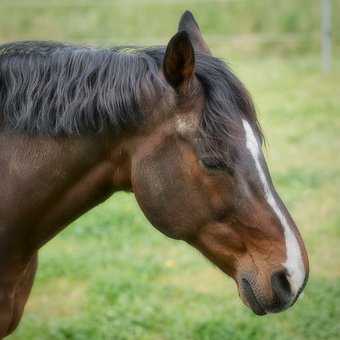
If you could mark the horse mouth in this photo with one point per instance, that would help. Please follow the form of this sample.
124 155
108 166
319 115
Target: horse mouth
251 299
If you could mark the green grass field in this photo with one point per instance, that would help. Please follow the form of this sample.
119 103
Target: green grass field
110 275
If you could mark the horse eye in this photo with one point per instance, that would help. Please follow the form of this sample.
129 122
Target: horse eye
213 164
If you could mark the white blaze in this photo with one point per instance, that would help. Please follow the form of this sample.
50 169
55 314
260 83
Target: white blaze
294 263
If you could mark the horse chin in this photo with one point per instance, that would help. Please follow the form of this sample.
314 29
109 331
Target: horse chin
249 298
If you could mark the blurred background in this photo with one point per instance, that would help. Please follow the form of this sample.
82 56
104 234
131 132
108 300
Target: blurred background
111 275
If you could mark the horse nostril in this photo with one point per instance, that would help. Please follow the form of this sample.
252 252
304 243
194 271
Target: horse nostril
281 287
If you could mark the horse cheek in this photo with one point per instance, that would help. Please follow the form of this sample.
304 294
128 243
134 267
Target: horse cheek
164 192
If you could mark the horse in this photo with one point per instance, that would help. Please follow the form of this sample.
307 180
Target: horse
171 124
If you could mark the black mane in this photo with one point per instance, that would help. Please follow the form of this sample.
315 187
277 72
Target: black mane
56 89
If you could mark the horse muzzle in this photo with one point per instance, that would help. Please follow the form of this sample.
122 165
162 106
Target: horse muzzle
278 298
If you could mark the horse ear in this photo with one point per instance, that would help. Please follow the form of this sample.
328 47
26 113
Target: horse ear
179 61
189 24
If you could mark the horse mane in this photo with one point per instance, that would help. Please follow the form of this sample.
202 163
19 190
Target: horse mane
49 88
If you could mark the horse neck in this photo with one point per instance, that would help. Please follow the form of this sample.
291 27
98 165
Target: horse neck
63 178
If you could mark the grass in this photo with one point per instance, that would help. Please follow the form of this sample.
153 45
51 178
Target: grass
288 26
110 275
